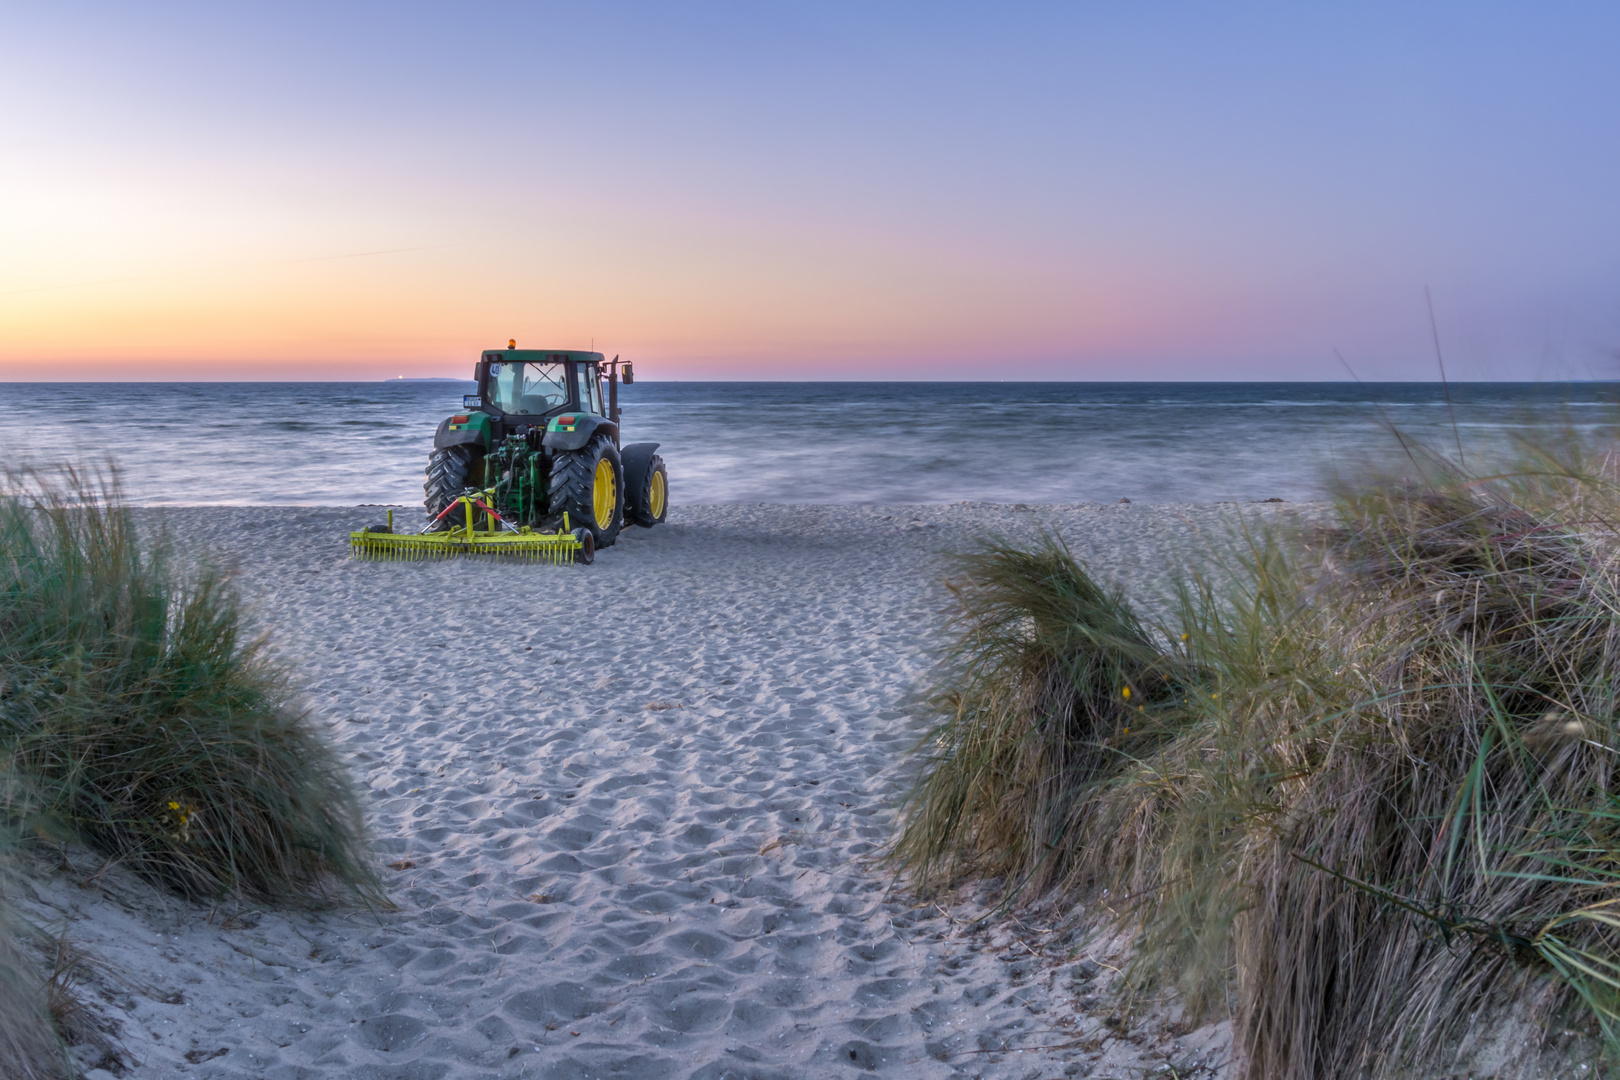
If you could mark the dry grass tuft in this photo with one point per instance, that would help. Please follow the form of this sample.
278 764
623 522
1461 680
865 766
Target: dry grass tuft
1054 686
30 1047
1371 803
146 722
1414 872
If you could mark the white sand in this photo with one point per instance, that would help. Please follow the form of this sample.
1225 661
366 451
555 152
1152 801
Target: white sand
635 808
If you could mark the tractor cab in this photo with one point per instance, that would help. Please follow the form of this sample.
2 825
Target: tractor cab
527 386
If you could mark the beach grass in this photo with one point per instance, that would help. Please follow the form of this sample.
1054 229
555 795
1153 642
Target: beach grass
145 719
1048 676
1362 791
30 1046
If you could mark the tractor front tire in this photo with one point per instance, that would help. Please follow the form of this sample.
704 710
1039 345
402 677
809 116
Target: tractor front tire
588 484
449 473
646 501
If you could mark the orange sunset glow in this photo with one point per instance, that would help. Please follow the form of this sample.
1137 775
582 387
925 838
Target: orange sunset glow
233 197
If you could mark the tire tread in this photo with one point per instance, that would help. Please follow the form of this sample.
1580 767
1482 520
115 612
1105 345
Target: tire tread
447 472
573 475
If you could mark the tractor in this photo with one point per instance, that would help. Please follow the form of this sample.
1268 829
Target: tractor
536 448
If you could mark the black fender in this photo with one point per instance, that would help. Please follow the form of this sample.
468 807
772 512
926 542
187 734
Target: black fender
636 458
473 432
567 437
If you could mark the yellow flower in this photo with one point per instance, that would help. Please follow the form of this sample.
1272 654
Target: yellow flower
174 806
1127 692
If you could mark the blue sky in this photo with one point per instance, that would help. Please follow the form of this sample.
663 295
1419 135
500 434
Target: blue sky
733 190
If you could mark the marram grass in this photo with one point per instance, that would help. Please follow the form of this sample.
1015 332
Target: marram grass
1054 687
146 721
1362 793
30 1046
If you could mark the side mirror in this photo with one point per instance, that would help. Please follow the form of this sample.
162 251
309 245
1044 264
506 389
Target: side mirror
629 374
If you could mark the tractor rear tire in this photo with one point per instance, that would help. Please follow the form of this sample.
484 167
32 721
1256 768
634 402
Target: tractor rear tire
449 474
649 505
588 485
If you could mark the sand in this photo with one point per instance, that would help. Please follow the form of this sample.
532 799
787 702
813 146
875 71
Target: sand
632 817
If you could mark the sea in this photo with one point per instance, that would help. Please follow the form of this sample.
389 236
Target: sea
343 444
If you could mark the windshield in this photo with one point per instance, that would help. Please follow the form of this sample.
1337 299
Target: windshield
528 389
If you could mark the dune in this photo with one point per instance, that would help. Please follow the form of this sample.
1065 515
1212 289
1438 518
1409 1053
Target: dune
632 817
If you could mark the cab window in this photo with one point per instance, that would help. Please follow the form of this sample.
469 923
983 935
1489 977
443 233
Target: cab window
590 388
527 389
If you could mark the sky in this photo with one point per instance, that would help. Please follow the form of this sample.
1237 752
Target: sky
1146 190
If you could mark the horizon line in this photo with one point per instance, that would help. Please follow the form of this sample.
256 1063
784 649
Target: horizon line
935 382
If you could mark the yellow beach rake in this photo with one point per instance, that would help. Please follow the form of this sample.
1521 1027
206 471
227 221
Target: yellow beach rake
501 538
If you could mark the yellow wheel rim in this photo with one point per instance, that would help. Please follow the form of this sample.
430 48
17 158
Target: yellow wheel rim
657 492
604 494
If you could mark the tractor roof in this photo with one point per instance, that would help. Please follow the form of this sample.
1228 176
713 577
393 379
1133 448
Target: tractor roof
541 356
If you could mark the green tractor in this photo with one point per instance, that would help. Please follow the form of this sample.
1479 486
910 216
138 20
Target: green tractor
537 448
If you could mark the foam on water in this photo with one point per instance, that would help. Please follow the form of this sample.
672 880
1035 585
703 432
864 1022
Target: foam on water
347 443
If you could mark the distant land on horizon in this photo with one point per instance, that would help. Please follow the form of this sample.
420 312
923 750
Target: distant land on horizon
891 382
